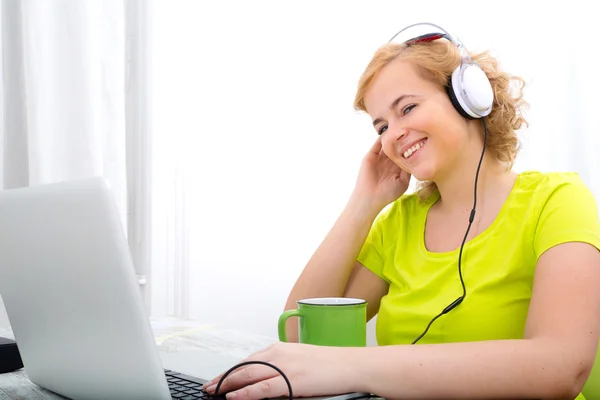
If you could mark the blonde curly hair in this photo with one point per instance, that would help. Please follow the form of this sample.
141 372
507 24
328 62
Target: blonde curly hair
435 62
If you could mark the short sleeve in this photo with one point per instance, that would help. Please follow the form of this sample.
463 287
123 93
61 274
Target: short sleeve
570 214
372 253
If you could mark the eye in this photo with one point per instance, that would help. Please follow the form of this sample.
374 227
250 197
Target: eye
382 129
408 108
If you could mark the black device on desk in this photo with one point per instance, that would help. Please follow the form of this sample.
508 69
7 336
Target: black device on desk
10 358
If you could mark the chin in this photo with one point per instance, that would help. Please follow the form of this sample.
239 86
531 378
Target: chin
422 174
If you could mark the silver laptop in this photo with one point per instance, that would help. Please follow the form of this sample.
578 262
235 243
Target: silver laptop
72 296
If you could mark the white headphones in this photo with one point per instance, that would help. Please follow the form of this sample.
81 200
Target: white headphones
469 88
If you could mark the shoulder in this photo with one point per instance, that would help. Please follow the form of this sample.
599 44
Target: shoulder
402 216
537 190
547 183
559 196
410 204
563 209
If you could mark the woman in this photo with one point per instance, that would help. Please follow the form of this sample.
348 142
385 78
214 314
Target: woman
519 289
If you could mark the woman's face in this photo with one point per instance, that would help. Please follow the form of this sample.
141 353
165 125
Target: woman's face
420 129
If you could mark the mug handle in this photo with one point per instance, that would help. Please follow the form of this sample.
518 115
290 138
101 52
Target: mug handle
282 322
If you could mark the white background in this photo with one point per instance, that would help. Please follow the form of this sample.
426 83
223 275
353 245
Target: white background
253 116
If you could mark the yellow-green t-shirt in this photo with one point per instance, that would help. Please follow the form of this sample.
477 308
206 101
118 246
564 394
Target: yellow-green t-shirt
498 265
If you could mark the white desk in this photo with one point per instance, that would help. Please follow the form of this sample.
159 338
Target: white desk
185 346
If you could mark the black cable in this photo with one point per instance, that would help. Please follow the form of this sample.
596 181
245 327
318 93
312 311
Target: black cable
285 378
287 381
459 300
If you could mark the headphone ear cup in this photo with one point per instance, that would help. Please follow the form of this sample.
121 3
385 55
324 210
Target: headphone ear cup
453 97
471 91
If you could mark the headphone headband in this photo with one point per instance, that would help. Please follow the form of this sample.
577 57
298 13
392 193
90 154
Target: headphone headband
455 41
429 37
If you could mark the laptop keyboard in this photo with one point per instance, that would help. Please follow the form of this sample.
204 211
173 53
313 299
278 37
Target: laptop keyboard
185 387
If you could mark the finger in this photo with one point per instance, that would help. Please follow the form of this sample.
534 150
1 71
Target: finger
217 378
252 357
243 377
376 147
269 388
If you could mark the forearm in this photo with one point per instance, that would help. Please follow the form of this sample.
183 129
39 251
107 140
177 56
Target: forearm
523 369
327 272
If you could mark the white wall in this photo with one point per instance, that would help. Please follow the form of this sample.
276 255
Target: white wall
253 107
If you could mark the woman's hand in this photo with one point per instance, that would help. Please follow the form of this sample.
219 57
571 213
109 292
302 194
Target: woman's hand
380 180
311 370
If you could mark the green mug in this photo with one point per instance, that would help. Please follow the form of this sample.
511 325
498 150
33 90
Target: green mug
328 321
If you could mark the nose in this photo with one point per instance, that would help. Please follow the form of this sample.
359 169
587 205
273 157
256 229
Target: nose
390 139
395 134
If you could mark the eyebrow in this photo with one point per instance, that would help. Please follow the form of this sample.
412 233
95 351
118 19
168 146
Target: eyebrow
393 105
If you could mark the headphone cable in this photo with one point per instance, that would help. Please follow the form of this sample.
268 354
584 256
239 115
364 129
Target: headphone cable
459 300
285 378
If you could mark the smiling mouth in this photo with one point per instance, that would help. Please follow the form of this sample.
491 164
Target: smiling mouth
416 147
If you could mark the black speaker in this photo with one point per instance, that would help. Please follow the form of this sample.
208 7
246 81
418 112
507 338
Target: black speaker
10 358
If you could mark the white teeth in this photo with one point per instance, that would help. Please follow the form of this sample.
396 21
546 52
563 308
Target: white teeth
413 149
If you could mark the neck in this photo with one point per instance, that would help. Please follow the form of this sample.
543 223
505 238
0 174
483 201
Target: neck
457 187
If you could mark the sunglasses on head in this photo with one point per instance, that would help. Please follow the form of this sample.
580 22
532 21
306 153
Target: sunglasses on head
428 37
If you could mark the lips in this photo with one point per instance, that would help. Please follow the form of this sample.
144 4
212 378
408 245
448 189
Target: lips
408 151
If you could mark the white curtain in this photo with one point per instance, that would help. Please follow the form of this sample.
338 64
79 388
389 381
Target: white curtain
74 93
257 146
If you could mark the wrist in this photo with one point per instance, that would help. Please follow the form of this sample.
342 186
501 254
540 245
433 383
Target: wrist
356 378
362 206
